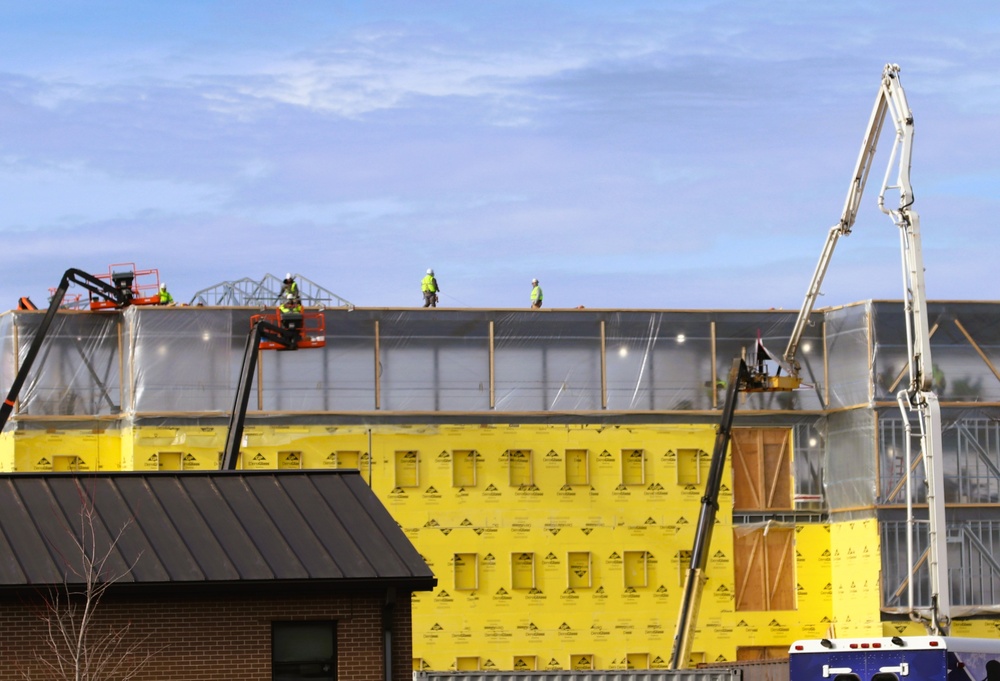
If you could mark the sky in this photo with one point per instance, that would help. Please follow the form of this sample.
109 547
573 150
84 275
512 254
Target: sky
631 154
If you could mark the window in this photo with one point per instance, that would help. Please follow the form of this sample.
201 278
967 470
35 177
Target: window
303 650
522 570
577 467
463 468
467 664
633 467
466 571
637 660
348 459
525 663
581 662
688 466
519 463
580 573
68 462
170 461
636 566
352 459
407 469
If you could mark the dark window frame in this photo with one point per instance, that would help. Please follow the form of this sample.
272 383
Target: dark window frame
322 668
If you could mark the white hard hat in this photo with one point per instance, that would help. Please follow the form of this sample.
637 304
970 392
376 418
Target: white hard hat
288 276
534 281
163 286
430 271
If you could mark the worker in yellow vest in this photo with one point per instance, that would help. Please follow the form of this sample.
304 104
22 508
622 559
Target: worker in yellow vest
536 294
290 286
165 297
429 287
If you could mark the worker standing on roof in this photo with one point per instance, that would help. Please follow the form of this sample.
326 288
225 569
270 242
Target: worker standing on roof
430 288
536 294
165 297
290 286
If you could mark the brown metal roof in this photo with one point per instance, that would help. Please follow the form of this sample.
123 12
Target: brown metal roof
208 527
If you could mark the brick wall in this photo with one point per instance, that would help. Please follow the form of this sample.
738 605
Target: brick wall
207 637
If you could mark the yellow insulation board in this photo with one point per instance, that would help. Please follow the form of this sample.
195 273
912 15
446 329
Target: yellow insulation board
856 564
555 546
60 450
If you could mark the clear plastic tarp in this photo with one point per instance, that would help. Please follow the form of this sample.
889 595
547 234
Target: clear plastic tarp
186 361
146 361
849 343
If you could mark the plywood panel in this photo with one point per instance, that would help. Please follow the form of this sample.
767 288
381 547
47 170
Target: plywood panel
762 465
764 566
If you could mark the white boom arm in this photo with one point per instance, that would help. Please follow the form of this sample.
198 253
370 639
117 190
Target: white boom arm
918 396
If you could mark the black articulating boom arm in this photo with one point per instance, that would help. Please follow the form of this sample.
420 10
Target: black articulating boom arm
739 378
262 330
72 276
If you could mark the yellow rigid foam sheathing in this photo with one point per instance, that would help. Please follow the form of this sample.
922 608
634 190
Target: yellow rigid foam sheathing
535 507
856 566
7 452
565 545
66 450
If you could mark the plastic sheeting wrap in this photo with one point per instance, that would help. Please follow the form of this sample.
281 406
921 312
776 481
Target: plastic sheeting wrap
965 346
848 356
148 361
663 361
77 370
143 362
850 463
184 359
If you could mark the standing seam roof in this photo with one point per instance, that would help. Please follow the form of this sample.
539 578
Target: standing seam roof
208 527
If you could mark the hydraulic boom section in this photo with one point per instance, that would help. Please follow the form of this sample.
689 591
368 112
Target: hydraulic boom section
917 399
694 581
262 331
741 379
279 331
890 103
99 289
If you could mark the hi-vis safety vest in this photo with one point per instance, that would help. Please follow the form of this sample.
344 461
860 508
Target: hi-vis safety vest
536 294
427 284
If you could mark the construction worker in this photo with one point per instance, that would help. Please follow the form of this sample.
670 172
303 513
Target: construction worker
290 286
165 297
291 305
429 287
536 294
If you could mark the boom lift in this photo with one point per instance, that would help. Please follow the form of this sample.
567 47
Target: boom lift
279 331
110 297
138 287
917 398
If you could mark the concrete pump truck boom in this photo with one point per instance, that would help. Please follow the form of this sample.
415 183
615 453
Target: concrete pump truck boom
916 399
937 656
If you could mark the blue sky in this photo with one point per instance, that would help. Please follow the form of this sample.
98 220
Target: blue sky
628 154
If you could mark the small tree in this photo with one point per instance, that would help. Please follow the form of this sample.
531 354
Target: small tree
75 646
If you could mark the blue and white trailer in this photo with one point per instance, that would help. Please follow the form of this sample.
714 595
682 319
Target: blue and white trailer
909 658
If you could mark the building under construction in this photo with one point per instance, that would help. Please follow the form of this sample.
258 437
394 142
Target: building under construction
550 465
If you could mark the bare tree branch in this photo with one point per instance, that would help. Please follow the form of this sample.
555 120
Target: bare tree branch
75 648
